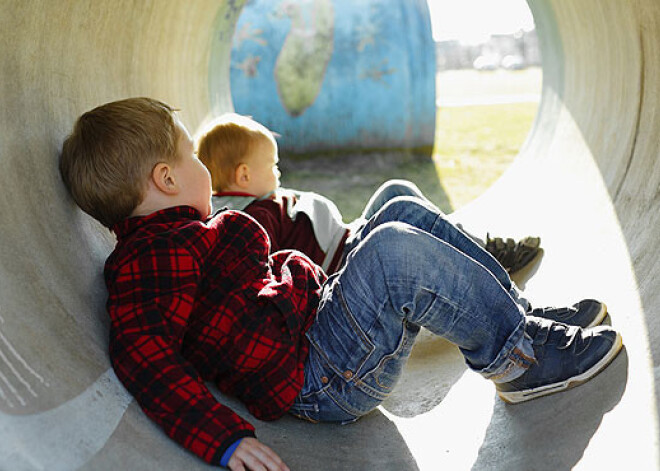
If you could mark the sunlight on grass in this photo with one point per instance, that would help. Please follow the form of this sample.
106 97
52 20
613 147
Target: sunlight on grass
474 145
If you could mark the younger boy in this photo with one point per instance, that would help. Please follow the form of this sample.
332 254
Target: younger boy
241 155
195 299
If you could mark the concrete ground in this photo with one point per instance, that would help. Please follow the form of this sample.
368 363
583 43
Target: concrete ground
587 182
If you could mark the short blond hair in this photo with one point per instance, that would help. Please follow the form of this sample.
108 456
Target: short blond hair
106 161
226 143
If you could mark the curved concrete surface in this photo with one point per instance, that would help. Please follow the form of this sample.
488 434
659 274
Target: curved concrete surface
587 181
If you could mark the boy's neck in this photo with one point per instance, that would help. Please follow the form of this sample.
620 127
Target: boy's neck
153 203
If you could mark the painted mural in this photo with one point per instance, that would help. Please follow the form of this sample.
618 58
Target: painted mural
303 59
334 75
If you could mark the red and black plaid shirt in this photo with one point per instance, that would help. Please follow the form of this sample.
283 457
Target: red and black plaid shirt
193 301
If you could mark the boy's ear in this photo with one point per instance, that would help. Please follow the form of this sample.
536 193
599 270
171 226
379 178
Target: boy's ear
242 175
162 177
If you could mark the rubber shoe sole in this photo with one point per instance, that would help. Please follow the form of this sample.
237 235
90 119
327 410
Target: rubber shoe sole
515 397
600 317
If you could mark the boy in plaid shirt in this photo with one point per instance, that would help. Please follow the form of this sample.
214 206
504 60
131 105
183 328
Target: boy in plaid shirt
195 298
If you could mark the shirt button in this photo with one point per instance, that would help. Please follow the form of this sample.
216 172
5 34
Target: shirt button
324 379
348 374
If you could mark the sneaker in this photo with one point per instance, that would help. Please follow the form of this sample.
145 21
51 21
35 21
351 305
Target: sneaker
511 255
566 356
587 313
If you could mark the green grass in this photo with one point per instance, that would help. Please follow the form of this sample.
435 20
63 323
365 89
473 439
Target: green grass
474 146
350 180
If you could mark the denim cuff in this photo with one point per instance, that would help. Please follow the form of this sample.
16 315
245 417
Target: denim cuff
517 296
514 359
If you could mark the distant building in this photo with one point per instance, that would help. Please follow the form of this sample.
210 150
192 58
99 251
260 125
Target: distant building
520 49
455 55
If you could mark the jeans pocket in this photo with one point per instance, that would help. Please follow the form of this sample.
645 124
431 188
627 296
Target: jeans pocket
308 411
320 400
354 372
384 377
337 336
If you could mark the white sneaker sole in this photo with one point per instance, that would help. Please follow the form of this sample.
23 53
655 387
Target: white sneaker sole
514 397
600 317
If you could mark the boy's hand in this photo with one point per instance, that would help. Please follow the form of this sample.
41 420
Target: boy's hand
253 455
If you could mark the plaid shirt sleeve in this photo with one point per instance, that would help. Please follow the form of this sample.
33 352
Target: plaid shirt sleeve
150 299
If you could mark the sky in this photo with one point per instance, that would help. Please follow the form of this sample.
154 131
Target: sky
473 21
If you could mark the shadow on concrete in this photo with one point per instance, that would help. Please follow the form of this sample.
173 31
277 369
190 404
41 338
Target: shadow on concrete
435 365
552 433
521 277
332 447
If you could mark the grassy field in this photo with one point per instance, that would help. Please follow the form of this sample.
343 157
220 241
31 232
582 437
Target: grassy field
474 145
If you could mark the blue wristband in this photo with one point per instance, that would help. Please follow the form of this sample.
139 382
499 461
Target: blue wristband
226 456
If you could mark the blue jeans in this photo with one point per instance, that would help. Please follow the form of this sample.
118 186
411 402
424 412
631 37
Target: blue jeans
388 191
410 269
384 194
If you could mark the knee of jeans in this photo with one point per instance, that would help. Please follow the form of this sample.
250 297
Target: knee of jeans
393 242
403 203
399 187
388 234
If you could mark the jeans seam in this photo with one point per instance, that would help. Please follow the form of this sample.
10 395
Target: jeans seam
457 312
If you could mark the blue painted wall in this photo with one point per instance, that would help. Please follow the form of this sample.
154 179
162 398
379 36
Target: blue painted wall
335 74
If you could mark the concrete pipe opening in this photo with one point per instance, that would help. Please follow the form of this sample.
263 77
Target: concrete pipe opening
587 181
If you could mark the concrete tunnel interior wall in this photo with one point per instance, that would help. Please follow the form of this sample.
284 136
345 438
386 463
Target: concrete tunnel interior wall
596 133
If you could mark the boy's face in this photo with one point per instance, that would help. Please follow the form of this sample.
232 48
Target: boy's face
264 173
192 175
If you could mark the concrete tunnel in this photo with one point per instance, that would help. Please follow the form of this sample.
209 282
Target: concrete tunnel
587 181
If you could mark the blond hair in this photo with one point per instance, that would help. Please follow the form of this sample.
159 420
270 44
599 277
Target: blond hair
226 143
106 161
